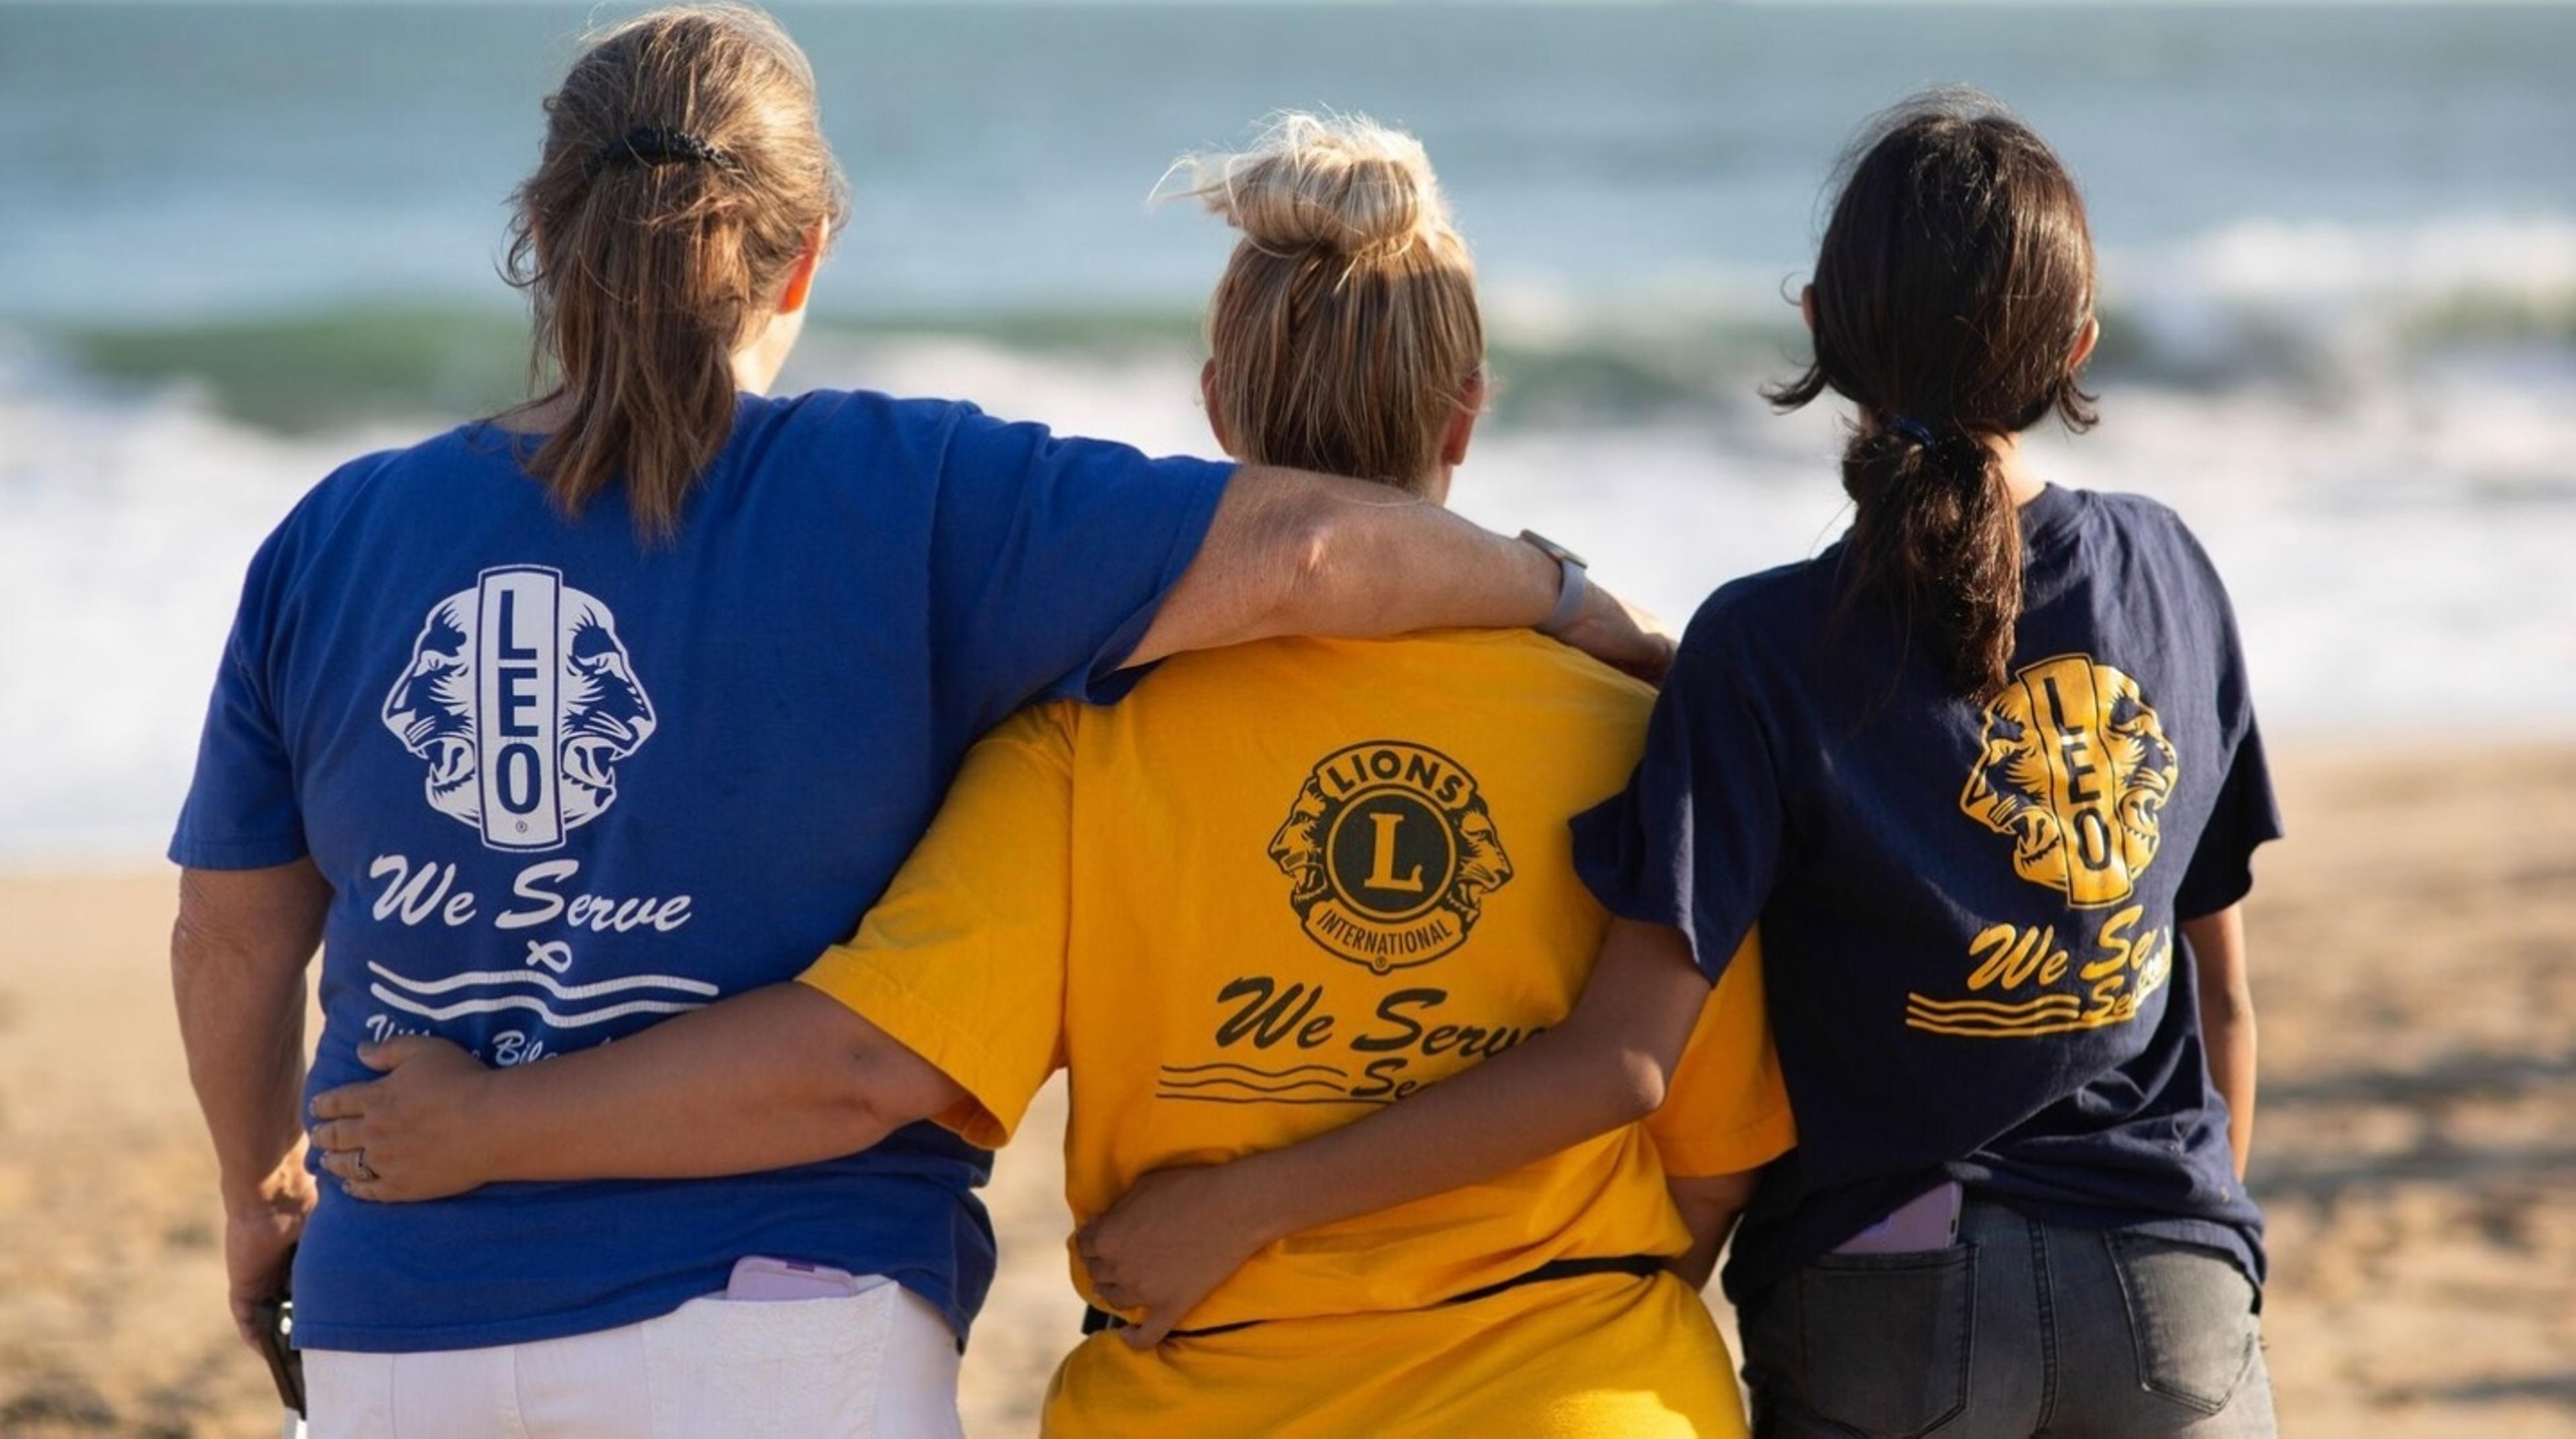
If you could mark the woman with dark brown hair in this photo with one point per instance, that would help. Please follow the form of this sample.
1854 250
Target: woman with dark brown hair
559 724
1987 775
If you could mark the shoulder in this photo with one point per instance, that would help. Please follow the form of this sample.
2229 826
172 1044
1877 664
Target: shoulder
1536 663
2137 514
360 487
856 417
2151 526
1760 612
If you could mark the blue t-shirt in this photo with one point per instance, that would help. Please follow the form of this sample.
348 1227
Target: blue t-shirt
1969 911
564 785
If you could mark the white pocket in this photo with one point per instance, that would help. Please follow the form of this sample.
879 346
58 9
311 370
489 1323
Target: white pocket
797 1369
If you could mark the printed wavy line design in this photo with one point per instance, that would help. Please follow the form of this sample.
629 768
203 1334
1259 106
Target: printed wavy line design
1966 1007
2025 1031
558 988
1333 1069
1268 1099
2048 1014
1227 1079
577 1020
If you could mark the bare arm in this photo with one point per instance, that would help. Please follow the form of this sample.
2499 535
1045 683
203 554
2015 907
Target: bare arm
1178 1233
773 1077
2227 1019
237 959
1710 1205
1292 553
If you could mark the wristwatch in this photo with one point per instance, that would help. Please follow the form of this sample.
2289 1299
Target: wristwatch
1569 596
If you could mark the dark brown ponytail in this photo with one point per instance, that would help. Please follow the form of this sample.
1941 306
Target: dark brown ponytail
684 172
1954 283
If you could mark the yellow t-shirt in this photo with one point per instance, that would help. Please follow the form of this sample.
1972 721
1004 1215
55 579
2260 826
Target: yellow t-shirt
1280 886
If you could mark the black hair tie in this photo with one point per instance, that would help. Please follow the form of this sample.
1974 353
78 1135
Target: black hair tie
1914 432
649 145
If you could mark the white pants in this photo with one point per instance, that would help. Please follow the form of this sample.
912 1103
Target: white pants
877 1365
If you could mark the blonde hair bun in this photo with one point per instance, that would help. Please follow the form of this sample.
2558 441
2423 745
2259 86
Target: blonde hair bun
1344 335
1342 183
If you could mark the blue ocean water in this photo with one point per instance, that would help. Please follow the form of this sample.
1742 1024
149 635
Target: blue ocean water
239 242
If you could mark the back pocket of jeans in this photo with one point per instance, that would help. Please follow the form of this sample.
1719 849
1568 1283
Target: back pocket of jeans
1885 1338
2191 1318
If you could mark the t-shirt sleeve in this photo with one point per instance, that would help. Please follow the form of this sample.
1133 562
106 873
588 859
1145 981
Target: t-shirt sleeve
241 811
2245 815
1050 557
1694 840
963 959
1727 1109
2246 818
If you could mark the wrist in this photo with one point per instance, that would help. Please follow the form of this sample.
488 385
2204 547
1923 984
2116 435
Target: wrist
1574 590
1252 1200
284 1187
505 1146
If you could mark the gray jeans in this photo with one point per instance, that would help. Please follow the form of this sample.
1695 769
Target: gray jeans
2024 1328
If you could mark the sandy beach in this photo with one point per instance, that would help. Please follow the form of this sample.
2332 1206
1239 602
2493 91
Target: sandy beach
2416 971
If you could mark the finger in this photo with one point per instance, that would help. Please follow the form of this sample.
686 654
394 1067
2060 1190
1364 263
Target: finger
373 1191
349 1101
341 1164
1135 1338
1155 1329
336 1134
390 1053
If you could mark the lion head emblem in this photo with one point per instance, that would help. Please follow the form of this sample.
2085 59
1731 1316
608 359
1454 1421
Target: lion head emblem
1390 853
2076 770
521 699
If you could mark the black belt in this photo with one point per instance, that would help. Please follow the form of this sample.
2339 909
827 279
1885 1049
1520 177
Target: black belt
1643 1266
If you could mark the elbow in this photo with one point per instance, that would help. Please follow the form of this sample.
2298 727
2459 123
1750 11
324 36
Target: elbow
1311 542
1633 1087
852 1118
2229 1007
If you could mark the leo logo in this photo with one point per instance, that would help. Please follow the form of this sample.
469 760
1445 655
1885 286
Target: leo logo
2076 770
1392 852
522 700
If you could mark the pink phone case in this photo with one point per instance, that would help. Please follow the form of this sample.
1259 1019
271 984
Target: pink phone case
1926 1222
759 1279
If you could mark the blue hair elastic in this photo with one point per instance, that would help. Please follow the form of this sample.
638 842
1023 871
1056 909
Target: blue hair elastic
1914 430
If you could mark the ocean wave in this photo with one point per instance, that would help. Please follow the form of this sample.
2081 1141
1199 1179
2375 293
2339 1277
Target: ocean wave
2255 303
2393 512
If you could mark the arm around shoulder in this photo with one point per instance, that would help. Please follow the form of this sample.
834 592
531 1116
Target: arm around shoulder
1292 553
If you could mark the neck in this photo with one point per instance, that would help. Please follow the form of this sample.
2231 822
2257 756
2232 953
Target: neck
2019 481
753 373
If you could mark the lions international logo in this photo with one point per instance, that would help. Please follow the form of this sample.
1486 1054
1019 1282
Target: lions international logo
2077 770
522 700
1392 853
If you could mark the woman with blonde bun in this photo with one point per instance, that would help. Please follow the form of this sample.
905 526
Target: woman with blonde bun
1279 887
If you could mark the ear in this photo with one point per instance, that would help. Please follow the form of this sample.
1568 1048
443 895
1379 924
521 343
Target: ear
800 279
2086 340
1807 307
1462 424
1215 410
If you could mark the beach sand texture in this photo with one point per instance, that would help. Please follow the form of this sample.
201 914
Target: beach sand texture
2416 953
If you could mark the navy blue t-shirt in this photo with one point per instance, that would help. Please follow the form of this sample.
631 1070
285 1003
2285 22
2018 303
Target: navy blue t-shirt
1969 911
564 786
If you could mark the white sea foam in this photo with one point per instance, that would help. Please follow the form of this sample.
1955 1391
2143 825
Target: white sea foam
2396 539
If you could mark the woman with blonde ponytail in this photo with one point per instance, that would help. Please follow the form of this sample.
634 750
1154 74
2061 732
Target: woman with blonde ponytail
1987 776
1279 887
557 725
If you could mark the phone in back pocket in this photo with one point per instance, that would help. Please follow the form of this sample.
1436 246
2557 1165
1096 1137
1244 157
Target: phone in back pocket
759 1279
1926 1222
